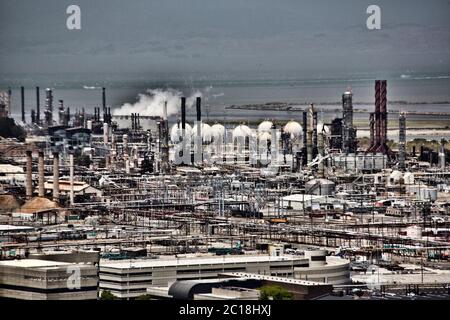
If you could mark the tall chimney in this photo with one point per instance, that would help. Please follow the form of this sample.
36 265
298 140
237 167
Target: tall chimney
103 100
309 144
199 108
383 111
321 151
305 137
183 113
199 143
71 178
41 190
29 179
22 96
377 113
314 138
401 141
56 176
38 106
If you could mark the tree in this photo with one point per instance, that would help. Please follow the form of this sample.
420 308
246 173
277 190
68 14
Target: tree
9 129
275 292
107 295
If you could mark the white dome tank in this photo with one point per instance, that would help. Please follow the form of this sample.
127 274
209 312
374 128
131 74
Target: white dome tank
217 131
265 126
265 136
294 129
242 131
206 132
176 132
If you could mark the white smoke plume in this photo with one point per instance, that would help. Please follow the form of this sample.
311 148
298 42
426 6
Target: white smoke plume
151 103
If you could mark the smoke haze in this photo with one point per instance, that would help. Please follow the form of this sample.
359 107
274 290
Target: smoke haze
151 103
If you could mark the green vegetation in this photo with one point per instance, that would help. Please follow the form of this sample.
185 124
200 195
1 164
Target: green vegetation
275 292
107 295
9 129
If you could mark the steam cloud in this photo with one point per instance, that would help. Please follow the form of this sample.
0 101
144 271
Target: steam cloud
151 103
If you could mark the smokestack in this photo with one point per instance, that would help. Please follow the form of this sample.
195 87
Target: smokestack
377 113
38 106
199 108
41 190
383 110
109 115
56 176
321 150
199 145
103 99
33 116
414 151
314 150
29 178
309 144
138 123
305 138
71 178
22 96
402 141
183 113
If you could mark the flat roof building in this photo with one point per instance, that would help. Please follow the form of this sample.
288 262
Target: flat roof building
130 279
33 279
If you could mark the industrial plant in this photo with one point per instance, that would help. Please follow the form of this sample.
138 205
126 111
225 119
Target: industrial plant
103 205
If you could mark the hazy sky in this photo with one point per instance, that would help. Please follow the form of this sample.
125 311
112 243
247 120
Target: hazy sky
248 38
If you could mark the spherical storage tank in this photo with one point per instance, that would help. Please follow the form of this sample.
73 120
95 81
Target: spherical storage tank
242 131
206 132
217 131
321 187
294 129
176 132
265 126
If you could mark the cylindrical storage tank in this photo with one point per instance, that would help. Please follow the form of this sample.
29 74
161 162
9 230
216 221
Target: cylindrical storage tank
316 257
